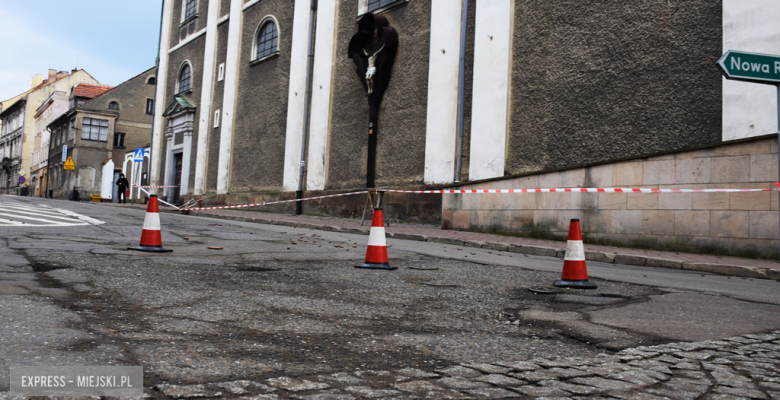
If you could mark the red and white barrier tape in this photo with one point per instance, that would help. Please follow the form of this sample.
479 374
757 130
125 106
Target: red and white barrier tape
155 187
273 202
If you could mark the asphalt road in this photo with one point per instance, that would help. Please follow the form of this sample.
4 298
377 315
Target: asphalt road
279 300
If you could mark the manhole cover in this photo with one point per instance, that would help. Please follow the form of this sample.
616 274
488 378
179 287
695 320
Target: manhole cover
440 284
424 268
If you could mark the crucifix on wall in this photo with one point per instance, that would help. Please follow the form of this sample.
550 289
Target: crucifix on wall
373 50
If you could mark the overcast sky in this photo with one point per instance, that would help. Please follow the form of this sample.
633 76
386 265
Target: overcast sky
113 40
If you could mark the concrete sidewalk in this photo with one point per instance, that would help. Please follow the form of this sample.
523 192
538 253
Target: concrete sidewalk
742 267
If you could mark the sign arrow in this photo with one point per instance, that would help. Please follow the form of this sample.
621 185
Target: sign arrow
750 67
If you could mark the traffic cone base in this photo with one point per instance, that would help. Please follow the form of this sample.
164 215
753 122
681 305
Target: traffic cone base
575 272
151 239
376 253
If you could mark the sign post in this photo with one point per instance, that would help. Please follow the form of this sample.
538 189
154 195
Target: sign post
138 159
755 68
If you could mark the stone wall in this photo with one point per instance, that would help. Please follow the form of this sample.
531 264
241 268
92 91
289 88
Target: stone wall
741 224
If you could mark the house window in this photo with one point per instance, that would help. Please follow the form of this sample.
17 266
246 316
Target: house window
184 78
376 4
119 139
190 9
216 119
151 81
72 130
150 106
94 129
113 105
221 74
267 40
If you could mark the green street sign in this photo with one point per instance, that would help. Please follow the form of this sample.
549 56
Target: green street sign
750 67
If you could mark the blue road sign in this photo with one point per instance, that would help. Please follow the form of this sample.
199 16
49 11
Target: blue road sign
139 155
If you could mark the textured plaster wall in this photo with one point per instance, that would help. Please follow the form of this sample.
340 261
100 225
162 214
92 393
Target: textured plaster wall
257 160
403 112
742 224
216 104
602 80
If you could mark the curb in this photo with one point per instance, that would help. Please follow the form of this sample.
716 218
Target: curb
596 256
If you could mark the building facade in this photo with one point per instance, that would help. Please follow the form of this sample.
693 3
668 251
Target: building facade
25 133
52 107
546 87
104 122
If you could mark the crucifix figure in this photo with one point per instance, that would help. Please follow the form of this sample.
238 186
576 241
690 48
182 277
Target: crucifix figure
373 50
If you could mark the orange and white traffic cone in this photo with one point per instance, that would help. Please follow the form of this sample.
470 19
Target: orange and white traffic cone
151 239
376 254
575 273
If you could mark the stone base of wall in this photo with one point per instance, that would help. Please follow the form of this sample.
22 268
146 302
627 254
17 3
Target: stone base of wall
740 224
398 207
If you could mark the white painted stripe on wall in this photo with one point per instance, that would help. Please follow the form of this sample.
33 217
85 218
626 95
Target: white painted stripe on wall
750 109
492 88
159 105
229 100
443 83
187 40
209 57
322 94
376 236
152 222
296 95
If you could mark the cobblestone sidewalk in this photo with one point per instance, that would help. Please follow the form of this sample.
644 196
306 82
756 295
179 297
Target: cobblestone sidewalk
740 367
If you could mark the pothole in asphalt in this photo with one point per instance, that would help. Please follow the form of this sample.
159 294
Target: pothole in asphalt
46 267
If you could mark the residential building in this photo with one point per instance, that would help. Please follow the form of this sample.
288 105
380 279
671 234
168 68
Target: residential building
53 107
98 130
24 132
592 93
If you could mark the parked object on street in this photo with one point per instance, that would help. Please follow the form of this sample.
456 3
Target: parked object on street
575 272
151 238
376 253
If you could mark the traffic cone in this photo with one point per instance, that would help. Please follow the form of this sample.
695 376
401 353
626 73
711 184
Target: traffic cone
151 240
575 273
376 254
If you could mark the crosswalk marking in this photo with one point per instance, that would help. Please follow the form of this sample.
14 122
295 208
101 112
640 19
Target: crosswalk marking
18 214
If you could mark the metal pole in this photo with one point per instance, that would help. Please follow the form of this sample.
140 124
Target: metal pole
461 90
307 108
778 134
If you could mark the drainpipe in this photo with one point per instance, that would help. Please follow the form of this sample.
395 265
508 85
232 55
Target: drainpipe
307 108
462 90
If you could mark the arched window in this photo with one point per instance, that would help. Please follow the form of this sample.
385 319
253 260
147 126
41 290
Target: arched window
267 40
185 78
113 105
151 81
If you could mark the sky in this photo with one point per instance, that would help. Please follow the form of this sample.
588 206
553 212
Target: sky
113 40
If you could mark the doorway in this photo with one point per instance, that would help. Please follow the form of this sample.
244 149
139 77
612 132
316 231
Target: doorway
177 161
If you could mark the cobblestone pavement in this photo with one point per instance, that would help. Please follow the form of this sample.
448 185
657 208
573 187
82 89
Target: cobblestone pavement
740 367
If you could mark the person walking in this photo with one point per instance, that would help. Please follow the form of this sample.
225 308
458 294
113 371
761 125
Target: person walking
123 185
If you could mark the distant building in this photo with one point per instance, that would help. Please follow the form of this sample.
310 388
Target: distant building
98 130
17 141
52 107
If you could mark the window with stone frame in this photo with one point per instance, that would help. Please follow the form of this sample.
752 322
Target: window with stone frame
267 40
377 4
190 9
94 129
185 78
